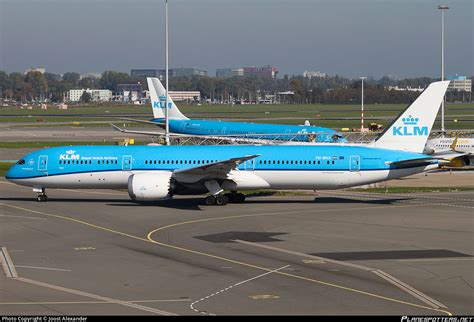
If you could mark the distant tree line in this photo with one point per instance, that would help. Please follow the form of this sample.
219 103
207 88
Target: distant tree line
35 86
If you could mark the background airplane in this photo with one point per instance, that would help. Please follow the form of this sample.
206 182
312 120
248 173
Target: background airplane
158 172
179 123
463 148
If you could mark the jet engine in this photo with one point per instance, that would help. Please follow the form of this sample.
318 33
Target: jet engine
150 186
457 162
428 150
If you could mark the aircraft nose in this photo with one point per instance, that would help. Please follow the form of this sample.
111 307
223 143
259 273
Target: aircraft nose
10 173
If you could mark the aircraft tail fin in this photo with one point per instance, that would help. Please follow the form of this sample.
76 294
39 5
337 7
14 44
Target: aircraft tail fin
158 101
410 131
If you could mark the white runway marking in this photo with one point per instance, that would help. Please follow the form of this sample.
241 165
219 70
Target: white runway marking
228 288
7 263
90 302
12 273
97 297
436 259
389 278
370 197
24 217
46 268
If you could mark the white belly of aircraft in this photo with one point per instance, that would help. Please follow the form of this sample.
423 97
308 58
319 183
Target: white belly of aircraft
332 179
270 179
85 180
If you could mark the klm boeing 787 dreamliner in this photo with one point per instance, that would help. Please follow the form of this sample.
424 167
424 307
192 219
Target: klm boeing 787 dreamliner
159 172
178 123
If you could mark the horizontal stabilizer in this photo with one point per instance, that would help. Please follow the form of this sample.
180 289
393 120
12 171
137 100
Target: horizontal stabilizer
413 162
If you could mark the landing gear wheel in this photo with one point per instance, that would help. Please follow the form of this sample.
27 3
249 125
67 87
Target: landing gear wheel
222 200
235 197
42 198
239 198
209 201
231 197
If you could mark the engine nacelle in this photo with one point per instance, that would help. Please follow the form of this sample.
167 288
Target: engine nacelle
457 162
428 150
150 186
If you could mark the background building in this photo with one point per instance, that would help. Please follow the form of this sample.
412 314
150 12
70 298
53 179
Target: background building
173 72
459 89
177 96
42 70
460 83
229 72
97 95
267 71
189 96
129 87
177 72
145 72
90 75
314 74
408 88
128 93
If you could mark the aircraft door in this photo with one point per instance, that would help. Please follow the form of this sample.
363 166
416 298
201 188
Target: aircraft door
223 130
249 165
43 163
127 162
355 163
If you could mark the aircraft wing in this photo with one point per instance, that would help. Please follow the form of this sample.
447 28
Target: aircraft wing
136 132
140 121
449 154
215 170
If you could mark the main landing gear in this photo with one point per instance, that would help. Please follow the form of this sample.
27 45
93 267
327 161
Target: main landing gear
222 200
219 199
42 197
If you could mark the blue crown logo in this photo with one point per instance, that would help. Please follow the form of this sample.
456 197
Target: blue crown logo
410 120
162 98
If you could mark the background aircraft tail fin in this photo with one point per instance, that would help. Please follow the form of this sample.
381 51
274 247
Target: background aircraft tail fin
158 101
410 131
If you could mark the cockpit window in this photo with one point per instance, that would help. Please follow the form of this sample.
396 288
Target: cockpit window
21 162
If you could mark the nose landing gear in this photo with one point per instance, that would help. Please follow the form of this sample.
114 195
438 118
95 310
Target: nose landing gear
42 197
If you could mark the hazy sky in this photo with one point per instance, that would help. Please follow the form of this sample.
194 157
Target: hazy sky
345 37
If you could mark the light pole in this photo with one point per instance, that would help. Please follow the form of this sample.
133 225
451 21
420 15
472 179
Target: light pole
362 106
442 8
167 129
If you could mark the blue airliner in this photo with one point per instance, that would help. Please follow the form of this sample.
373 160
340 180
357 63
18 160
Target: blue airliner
158 172
178 123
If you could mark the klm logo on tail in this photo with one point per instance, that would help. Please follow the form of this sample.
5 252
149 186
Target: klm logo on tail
410 128
162 103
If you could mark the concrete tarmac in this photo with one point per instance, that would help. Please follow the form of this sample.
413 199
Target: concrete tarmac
9 132
338 252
